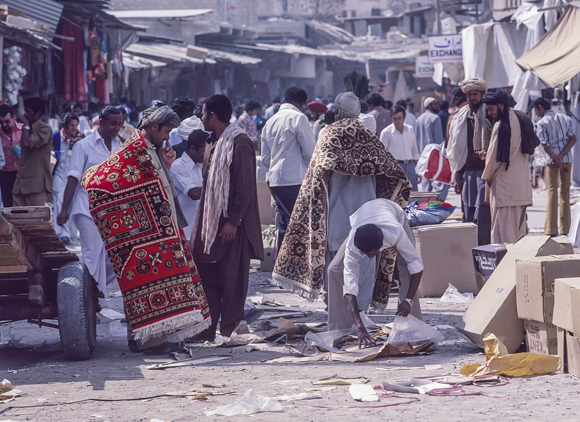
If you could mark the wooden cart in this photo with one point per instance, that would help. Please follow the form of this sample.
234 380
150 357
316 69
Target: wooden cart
41 279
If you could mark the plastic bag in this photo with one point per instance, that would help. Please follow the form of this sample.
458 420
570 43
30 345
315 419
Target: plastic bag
329 340
428 215
117 329
250 403
434 164
414 331
452 295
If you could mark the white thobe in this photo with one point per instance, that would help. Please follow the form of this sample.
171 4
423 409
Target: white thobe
186 176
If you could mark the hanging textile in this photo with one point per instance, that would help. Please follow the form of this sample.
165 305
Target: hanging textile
74 71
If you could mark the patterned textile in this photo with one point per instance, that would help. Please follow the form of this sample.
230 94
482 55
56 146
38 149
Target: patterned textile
345 147
161 288
218 176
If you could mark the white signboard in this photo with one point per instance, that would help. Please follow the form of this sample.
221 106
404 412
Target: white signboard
446 49
423 67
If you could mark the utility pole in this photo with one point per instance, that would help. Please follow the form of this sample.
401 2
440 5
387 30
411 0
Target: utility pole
438 17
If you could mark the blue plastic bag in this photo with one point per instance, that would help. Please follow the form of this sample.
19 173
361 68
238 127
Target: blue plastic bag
430 215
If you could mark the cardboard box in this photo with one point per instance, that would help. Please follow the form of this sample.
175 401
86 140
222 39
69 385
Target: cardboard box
541 338
494 309
566 309
561 336
197 52
446 253
535 284
573 355
485 260
267 264
265 206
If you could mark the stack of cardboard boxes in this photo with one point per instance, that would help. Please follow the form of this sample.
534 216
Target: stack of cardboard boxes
567 320
494 310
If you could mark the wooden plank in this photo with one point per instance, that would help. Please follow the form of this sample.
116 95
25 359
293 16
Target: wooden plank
23 250
12 269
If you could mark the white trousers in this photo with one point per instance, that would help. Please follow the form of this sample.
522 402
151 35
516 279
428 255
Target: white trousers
69 229
95 255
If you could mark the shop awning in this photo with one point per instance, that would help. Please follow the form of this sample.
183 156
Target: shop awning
159 14
23 37
136 62
556 58
43 11
165 52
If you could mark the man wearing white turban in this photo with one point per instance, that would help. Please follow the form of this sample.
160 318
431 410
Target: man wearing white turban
468 140
186 127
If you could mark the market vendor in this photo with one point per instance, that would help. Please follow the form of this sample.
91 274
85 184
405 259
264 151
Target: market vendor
377 225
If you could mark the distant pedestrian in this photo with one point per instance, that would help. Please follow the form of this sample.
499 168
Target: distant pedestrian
10 134
429 131
287 147
380 113
273 109
34 178
469 134
506 172
410 118
246 120
557 138
444 113
317 109
399 139
368 120
184 108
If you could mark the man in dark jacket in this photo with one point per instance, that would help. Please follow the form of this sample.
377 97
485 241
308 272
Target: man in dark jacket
228 232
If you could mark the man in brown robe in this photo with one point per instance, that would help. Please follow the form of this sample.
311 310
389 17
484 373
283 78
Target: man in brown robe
227 231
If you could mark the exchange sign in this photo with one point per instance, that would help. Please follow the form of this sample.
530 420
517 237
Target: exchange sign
446 49
423 67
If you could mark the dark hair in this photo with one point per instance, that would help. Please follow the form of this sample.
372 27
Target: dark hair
134 115
368 238
443 105
108 111
402 103
330 116
458 96
295 95
542 102
76 105
198 112
5 109
374 99
183 106
363 106
276 100
397 109
123 110
35 104
124 100
388 104
197 139
69 117
252 105
221 106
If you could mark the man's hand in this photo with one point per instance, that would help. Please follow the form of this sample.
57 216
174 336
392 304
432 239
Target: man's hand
168 155
458 187
228 233
364 339
481 155
556 159
62 218
23 120
404 309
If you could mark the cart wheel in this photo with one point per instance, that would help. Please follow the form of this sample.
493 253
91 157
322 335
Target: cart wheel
77 319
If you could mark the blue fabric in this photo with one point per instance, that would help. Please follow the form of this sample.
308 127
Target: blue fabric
409 169
56 139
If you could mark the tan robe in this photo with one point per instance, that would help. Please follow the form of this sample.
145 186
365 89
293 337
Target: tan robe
509 192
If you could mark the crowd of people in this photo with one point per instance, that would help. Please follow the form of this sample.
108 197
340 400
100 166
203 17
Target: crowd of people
340 171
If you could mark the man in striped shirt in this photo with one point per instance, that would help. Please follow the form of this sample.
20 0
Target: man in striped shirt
557 137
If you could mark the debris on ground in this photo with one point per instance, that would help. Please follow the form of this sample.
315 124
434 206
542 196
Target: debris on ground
249 404
8 392
189 362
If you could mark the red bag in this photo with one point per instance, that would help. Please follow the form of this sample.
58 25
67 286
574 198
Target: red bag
438 167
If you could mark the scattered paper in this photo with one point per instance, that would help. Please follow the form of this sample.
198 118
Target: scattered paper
363 392
341 381
300 396
111 314
432 367
414 385
250 403
445 327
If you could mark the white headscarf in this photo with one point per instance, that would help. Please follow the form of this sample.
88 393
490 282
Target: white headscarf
189 125
347 105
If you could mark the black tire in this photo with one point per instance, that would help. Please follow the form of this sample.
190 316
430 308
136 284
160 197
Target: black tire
77 318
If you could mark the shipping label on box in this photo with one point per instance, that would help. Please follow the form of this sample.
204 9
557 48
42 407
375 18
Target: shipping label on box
485 261
541 338
535 279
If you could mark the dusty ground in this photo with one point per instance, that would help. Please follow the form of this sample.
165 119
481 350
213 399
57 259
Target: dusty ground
114 373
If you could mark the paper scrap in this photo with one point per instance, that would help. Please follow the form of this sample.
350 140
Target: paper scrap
432 367
445 327
363 392
111 314
188 362
342 381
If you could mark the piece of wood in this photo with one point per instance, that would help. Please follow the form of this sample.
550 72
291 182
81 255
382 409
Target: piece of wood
22 251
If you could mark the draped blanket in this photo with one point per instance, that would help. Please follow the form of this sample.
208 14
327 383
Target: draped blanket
345 147
162 292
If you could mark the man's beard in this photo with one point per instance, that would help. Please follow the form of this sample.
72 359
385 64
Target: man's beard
499 115
475 107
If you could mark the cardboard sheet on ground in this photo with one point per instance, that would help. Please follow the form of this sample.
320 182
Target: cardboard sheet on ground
500 362
360 355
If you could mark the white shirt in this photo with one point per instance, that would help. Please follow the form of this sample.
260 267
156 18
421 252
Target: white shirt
287 146
88 152
186 176
390 218
369 121
402 145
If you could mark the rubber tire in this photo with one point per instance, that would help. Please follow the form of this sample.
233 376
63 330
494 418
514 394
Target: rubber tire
77 318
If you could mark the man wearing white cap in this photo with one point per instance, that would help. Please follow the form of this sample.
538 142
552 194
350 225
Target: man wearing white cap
429 130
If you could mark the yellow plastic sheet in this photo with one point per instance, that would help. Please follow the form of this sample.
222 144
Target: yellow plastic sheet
499 362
